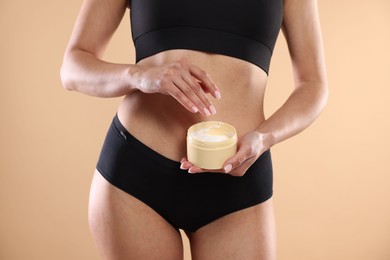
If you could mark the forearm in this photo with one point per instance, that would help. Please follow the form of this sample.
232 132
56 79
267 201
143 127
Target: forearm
297 113
83 72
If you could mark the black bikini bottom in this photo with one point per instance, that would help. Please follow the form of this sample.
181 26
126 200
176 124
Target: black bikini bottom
187 201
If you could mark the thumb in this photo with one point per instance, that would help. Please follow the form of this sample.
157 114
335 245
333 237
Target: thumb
235 161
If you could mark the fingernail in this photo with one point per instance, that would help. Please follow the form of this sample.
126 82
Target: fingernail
195 109
212 109
217 94
206 112
228 168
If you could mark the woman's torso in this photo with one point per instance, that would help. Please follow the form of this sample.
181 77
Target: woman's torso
161 123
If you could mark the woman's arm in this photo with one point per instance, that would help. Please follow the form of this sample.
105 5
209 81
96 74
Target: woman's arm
84 71
302 31
301 28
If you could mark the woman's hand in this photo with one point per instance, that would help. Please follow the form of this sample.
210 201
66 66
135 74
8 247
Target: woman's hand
249 148
185 82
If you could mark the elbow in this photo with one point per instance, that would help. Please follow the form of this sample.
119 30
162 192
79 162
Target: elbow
324 95
320 98
66 77
68 71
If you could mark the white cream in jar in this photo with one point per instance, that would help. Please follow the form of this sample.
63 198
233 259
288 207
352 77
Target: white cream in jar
210 144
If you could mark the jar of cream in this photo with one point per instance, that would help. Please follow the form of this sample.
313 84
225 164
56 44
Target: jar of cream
210 144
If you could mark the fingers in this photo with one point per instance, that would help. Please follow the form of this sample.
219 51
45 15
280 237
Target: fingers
185 82
193 84
200 95
186 165
182 99
244 154
194 92
203 77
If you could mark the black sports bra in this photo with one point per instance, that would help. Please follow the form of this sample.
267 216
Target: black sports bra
244 29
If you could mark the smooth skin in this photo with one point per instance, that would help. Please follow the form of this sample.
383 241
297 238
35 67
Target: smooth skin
166 93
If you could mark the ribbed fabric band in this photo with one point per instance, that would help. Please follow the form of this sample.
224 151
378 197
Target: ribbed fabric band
203 39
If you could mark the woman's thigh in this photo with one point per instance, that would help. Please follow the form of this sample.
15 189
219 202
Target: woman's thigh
246 234
125 228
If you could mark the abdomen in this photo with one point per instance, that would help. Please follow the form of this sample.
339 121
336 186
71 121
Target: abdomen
161 123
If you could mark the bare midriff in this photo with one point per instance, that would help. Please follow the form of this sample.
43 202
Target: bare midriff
161 123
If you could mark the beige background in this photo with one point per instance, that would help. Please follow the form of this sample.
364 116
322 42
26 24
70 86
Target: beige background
332 182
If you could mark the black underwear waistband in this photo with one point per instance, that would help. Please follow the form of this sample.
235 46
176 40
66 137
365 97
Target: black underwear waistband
122 131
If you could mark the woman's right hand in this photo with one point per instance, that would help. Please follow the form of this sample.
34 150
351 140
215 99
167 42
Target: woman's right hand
182 80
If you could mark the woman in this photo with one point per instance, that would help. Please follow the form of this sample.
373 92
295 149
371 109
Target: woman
196 61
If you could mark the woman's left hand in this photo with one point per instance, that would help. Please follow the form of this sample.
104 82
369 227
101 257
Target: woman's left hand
249 148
